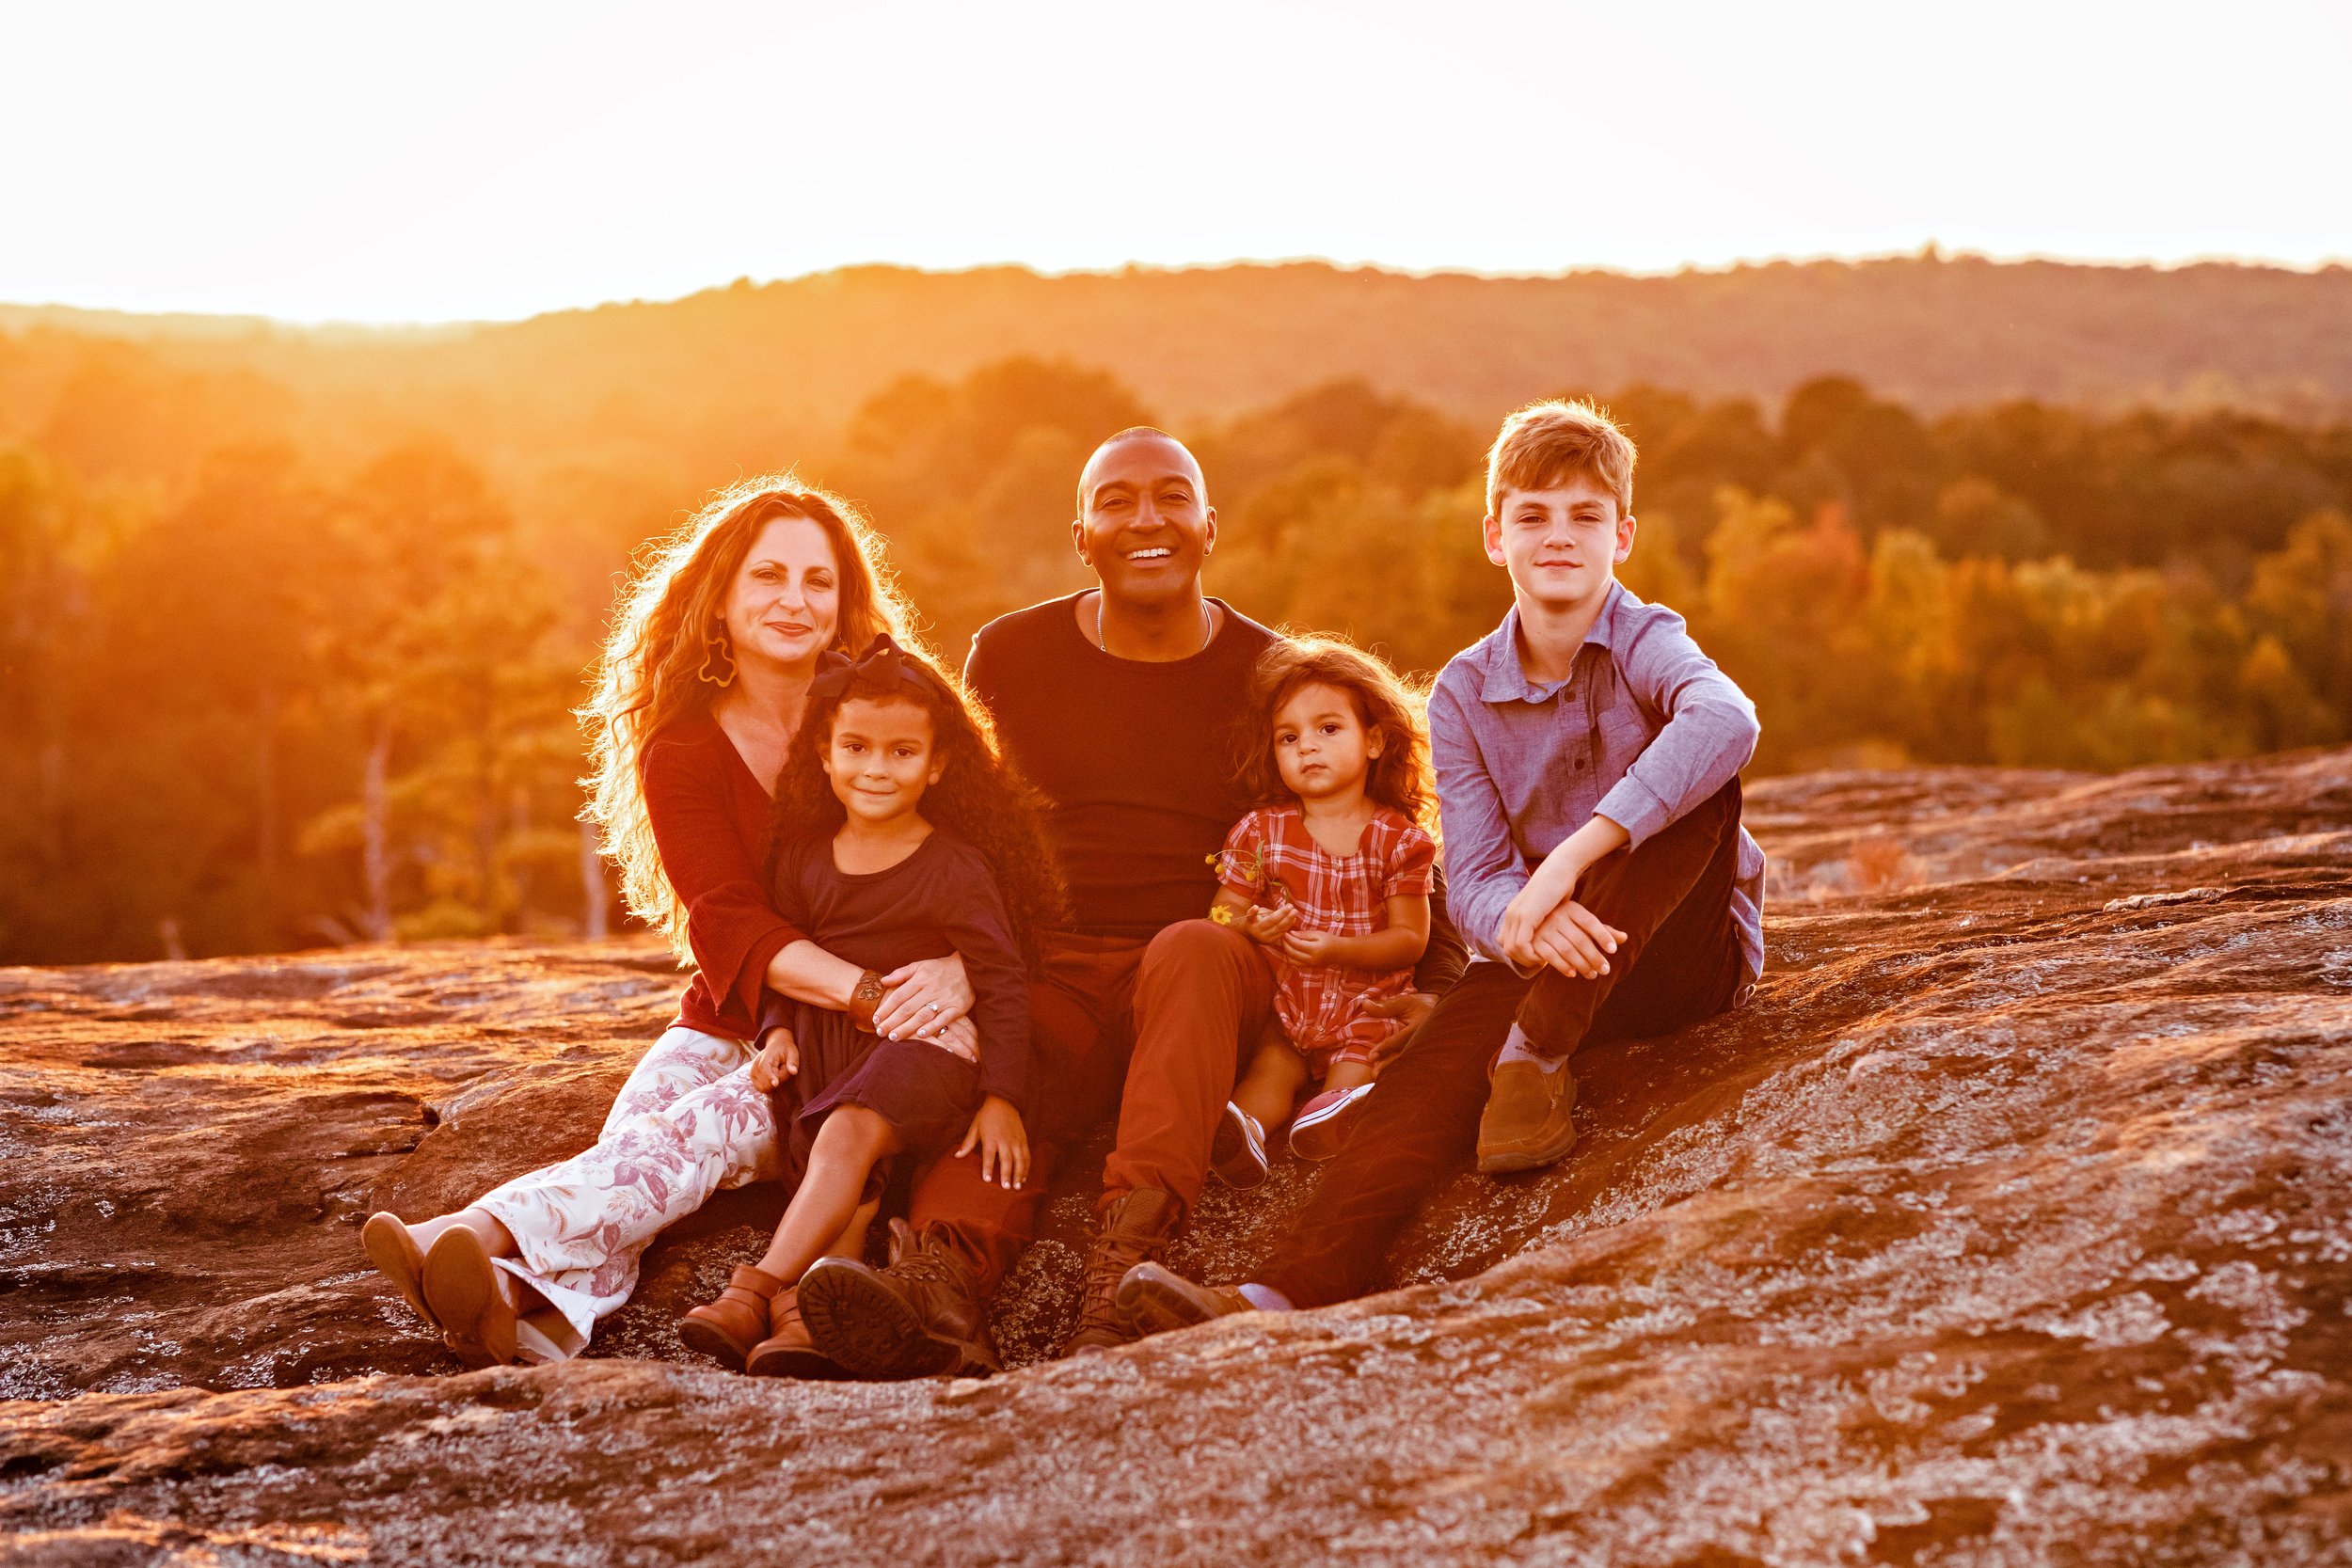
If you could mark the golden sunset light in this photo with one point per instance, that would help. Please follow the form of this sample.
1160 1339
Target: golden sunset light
444 162
1530 785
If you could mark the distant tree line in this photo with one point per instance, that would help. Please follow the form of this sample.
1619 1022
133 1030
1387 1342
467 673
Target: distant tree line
261 688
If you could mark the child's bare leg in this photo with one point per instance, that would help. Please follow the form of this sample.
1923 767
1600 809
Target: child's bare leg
1270 1087
1348 1075
851 1241
852 1141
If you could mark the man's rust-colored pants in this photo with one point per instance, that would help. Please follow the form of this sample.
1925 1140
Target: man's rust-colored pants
1151 1026
1680 962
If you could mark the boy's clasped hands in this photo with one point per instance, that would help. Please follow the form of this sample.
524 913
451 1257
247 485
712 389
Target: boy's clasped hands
1544 925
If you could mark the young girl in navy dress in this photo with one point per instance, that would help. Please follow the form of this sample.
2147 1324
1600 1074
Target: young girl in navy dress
928 844
1332 873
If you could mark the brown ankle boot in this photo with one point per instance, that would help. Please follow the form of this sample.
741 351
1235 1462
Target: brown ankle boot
921 1317
732 1326
788 1351
1136 1228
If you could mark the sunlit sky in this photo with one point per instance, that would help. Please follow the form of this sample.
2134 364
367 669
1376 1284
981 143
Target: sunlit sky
427 162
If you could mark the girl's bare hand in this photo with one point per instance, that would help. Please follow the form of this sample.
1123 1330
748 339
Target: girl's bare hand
1262 925
997 1133
1311 949
922 998
779 1058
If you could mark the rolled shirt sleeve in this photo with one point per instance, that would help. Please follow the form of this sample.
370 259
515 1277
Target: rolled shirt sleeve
1241 866
1415 864
1709 733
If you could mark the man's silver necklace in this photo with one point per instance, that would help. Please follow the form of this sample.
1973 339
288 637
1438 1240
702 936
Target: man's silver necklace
1208 632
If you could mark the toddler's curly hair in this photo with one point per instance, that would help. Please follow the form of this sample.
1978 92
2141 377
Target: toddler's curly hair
1399 777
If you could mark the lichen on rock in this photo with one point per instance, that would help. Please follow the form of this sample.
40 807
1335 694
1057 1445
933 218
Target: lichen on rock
2011 1222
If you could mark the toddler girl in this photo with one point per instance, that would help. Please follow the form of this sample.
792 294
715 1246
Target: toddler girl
1332 873
901 835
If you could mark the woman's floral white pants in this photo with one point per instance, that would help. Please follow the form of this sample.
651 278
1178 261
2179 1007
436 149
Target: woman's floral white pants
686 1124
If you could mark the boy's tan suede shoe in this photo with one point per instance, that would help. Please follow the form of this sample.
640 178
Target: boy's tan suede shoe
1157 1298
1528 1121
1136 1228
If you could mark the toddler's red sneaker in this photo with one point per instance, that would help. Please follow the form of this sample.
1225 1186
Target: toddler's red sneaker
1322 1126
1238 1154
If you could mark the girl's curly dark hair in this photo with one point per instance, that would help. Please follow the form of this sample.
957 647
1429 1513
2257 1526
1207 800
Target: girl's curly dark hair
981 797
1399 777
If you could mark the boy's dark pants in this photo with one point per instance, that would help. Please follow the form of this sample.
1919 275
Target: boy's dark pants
1680 962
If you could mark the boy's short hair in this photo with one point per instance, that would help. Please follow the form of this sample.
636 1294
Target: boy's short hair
1546 444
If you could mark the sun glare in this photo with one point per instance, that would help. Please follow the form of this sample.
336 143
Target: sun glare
459 161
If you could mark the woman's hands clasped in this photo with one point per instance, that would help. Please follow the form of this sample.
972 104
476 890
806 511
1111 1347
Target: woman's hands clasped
923 999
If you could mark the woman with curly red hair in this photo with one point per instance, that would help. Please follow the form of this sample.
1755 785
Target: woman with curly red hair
702 686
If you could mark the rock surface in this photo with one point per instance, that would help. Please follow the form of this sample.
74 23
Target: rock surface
2010 1224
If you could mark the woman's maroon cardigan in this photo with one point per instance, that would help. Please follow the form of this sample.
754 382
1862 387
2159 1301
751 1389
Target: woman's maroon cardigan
711 821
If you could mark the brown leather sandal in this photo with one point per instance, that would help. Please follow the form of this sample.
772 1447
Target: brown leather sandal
789 1352
731 1327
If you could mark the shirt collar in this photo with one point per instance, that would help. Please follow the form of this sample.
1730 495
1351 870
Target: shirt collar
1505 680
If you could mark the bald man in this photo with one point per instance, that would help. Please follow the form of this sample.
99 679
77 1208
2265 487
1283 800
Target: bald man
1120 703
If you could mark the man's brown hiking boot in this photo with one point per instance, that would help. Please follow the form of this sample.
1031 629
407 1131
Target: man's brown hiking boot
1156 1299
1136 1228
921 1317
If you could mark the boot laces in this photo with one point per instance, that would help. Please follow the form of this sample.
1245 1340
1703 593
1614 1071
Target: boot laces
1115 1251
930 1261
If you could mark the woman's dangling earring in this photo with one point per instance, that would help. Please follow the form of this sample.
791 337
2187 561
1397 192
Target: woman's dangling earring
718 657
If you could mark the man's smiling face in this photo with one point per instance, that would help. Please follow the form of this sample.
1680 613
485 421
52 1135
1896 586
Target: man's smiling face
1144 523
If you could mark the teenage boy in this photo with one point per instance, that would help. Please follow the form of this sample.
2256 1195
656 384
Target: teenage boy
1119 703
1588 757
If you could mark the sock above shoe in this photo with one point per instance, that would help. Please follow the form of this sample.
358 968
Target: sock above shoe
1517 1047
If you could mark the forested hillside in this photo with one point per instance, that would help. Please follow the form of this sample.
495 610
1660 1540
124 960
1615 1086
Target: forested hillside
290 624
725 369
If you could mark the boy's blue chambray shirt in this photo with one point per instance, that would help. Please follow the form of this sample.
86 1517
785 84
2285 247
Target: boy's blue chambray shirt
1644 729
